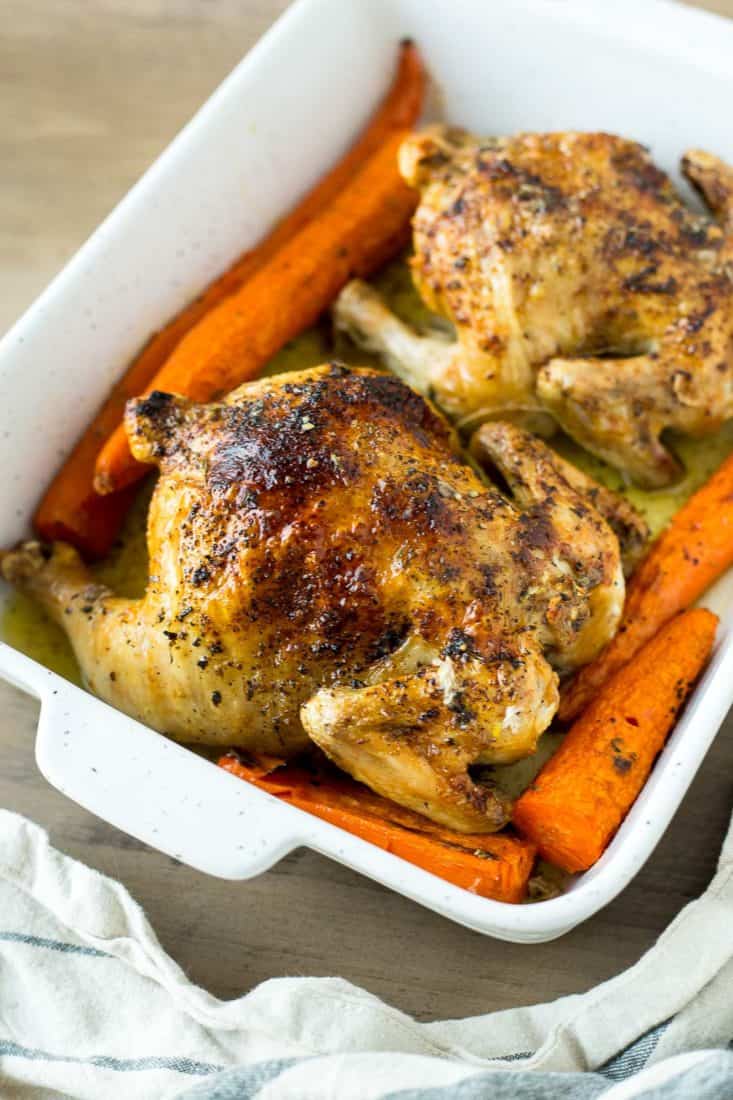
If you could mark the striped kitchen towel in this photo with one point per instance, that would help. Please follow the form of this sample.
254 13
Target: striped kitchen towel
91 1008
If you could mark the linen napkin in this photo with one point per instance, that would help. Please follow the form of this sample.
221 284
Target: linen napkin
91 1007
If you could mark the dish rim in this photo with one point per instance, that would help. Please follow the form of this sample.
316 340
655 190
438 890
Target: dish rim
274 828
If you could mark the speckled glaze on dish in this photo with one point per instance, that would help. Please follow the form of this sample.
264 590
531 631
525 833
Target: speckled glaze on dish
658 73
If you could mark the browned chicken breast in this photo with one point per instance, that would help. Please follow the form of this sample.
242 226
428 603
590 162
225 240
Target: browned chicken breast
325 565
582 290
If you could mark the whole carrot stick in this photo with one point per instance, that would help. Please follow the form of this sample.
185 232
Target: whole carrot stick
491 865
367 224
688 556
71 510
578 800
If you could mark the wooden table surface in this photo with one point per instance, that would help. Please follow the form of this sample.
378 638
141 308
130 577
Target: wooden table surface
89 94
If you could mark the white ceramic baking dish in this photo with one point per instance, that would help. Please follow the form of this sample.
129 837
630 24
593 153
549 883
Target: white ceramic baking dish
655 71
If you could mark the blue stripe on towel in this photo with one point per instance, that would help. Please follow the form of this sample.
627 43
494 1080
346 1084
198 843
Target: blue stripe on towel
502 1084
102 1061
709 1079
634 1057
242 1083
52 945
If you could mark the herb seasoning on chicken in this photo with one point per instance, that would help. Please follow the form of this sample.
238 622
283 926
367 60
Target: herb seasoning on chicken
583 291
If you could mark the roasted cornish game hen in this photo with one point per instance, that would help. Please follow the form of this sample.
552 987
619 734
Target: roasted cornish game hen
583 291
324 564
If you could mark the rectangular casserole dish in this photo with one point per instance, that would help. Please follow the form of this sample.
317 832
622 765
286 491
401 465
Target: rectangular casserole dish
657 72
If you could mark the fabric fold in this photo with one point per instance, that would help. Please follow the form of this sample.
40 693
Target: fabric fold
91 1005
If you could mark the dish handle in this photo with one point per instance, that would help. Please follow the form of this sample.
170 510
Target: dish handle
150 787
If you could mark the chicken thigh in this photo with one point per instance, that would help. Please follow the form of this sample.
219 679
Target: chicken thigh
583 291
325 565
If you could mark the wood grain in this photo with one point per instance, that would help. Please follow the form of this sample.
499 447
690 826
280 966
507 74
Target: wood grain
89 94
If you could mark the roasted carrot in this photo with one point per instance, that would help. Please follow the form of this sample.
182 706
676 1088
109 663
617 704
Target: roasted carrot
367 224
578 800
688 556
492 865
71 510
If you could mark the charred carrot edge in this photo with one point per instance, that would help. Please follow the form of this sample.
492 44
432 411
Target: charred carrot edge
71 510
367 224
490 865
578 800
693 551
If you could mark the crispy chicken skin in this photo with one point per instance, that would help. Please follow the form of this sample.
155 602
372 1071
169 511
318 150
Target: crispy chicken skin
325 565
583 291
